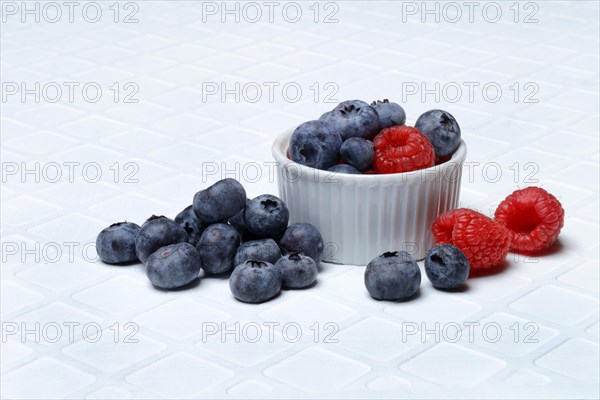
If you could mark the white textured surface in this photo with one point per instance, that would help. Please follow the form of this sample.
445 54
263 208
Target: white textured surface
171 135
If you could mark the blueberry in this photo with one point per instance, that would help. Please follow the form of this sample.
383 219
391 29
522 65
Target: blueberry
266 216
237 221
446 266
354 118
255 281
173 266
220 201
116 244
315 144
358 152
303 238
393 276
324 116
442 130
217 247
298 271
156 232
344 169
191 224
260 250
390 114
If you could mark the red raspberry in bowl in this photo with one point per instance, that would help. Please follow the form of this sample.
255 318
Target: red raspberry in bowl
484 241
533 217
402 149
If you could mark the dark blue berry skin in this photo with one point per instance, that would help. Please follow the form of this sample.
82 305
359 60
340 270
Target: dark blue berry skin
442 130
173 266
266 216
157 232
191 224
220 201
260 250
390 114
358 153
393 276
237 221
303 238
116 243
217 247
446 266
344 169
298 271
255 281
315 144
354 118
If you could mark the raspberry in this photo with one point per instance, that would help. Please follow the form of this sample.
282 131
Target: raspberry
533 217
402 149
484 241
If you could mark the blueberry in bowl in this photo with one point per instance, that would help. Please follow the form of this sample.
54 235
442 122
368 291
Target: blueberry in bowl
442 130
358 153
344 169
315 144
390 113
354 118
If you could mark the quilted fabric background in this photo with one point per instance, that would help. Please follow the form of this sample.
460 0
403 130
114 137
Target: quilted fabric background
119 110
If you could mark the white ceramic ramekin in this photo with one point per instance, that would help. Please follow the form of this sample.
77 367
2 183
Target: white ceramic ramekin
362 216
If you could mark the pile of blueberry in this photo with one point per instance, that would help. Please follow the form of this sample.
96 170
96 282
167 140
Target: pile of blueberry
358 138
221 231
